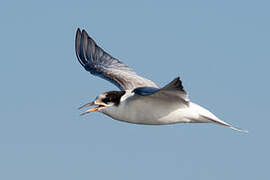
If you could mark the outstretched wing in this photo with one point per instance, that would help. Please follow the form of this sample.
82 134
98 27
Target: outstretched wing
100 63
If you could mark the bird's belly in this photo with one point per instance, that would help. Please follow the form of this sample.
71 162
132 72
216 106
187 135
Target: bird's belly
151 114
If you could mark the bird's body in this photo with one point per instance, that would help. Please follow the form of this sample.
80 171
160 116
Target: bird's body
151 113
140 100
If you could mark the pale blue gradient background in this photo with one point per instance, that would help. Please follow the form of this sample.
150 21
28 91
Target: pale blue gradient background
219 49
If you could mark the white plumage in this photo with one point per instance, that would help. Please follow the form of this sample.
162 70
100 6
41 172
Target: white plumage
141 101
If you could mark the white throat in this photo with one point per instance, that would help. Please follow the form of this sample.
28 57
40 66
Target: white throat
128 94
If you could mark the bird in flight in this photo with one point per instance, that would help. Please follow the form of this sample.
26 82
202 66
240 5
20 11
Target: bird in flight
140 100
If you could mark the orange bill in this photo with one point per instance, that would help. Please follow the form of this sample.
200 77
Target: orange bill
90 110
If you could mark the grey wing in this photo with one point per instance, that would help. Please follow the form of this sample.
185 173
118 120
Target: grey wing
172 95
176 89
99 63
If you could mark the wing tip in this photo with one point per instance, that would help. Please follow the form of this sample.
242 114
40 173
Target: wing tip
80 42
78 37
82 32
78 30
77 45
176 83
85 35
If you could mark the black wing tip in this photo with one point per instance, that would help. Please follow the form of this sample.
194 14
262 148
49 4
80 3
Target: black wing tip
86 36
177 79
78 30
84 31
179 83
81 40
175 84
78 36
84 46
78 46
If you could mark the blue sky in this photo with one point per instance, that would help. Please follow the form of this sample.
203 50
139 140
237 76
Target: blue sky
219 49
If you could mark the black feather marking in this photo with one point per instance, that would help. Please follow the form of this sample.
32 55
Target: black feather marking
114 97
175 84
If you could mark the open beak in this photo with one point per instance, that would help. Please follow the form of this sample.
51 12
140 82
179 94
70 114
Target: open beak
90 110
88 105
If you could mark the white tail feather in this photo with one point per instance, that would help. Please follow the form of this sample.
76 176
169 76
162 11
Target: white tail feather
218 121
238 129
207 116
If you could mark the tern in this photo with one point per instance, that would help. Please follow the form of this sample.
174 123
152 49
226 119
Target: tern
140 100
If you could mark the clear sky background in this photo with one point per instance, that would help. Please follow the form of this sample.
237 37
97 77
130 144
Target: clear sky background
219 49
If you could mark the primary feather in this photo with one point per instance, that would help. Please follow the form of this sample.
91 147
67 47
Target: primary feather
98 62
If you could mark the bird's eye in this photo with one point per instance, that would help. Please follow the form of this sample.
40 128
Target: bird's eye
106 100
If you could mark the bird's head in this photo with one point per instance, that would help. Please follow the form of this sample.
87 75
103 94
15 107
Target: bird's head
104 100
